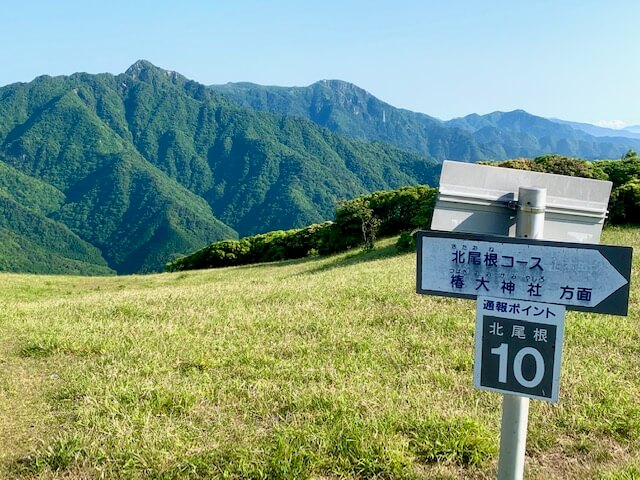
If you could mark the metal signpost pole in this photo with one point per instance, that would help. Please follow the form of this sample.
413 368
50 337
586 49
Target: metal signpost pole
515 409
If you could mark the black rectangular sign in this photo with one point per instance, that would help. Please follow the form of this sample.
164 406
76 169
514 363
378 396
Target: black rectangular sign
518 347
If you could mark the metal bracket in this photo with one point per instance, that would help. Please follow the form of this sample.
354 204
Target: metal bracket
531 209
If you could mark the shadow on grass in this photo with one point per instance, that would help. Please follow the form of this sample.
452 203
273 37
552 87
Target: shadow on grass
277 263
342 260
355 258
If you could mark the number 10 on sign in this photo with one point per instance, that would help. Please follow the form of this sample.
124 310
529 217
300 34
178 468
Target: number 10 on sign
518 347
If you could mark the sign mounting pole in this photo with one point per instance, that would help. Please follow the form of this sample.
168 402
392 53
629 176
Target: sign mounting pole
515 409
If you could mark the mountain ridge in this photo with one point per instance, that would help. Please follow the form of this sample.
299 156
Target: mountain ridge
149 165
598 131
126 172
349 110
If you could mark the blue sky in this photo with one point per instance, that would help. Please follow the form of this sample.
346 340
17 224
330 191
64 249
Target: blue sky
571 59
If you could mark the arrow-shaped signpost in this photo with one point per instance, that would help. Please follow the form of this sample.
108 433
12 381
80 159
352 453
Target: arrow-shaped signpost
593 278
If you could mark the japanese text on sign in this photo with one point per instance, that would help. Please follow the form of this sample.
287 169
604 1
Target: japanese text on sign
509 270
516 271
518 347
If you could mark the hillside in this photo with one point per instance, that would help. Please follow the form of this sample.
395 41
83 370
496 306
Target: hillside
325 368
147 165
32 242
349 110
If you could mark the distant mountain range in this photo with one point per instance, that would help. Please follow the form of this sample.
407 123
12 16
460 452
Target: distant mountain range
596 131
104 173
121 173
349 110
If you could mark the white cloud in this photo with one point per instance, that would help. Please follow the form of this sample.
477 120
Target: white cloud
616 124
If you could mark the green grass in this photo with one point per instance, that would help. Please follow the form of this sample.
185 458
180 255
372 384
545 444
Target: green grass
322 368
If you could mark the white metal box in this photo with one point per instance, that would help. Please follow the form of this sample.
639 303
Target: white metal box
481 198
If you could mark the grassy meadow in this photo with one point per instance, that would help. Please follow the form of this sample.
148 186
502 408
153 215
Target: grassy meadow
321 368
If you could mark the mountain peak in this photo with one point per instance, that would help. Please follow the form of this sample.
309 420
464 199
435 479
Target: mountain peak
140 67
145 70
339 85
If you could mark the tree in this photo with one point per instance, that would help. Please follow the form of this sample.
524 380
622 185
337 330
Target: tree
370 224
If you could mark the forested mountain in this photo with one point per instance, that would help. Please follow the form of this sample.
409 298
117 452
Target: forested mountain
520 134
104 173
347 109
125 172
33 242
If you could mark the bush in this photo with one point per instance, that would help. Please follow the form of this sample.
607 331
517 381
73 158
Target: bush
558 164
396 211
358 222
267 247
624 203
406 242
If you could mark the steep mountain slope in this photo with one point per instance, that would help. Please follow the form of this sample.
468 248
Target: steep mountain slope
347 109
147 165
113 198
32 242
258 171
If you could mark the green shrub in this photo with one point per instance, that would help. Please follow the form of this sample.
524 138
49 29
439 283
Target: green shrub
357 222
399 210
406 242
267 247
623 206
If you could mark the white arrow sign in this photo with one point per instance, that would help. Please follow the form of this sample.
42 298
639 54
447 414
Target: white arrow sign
575 275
